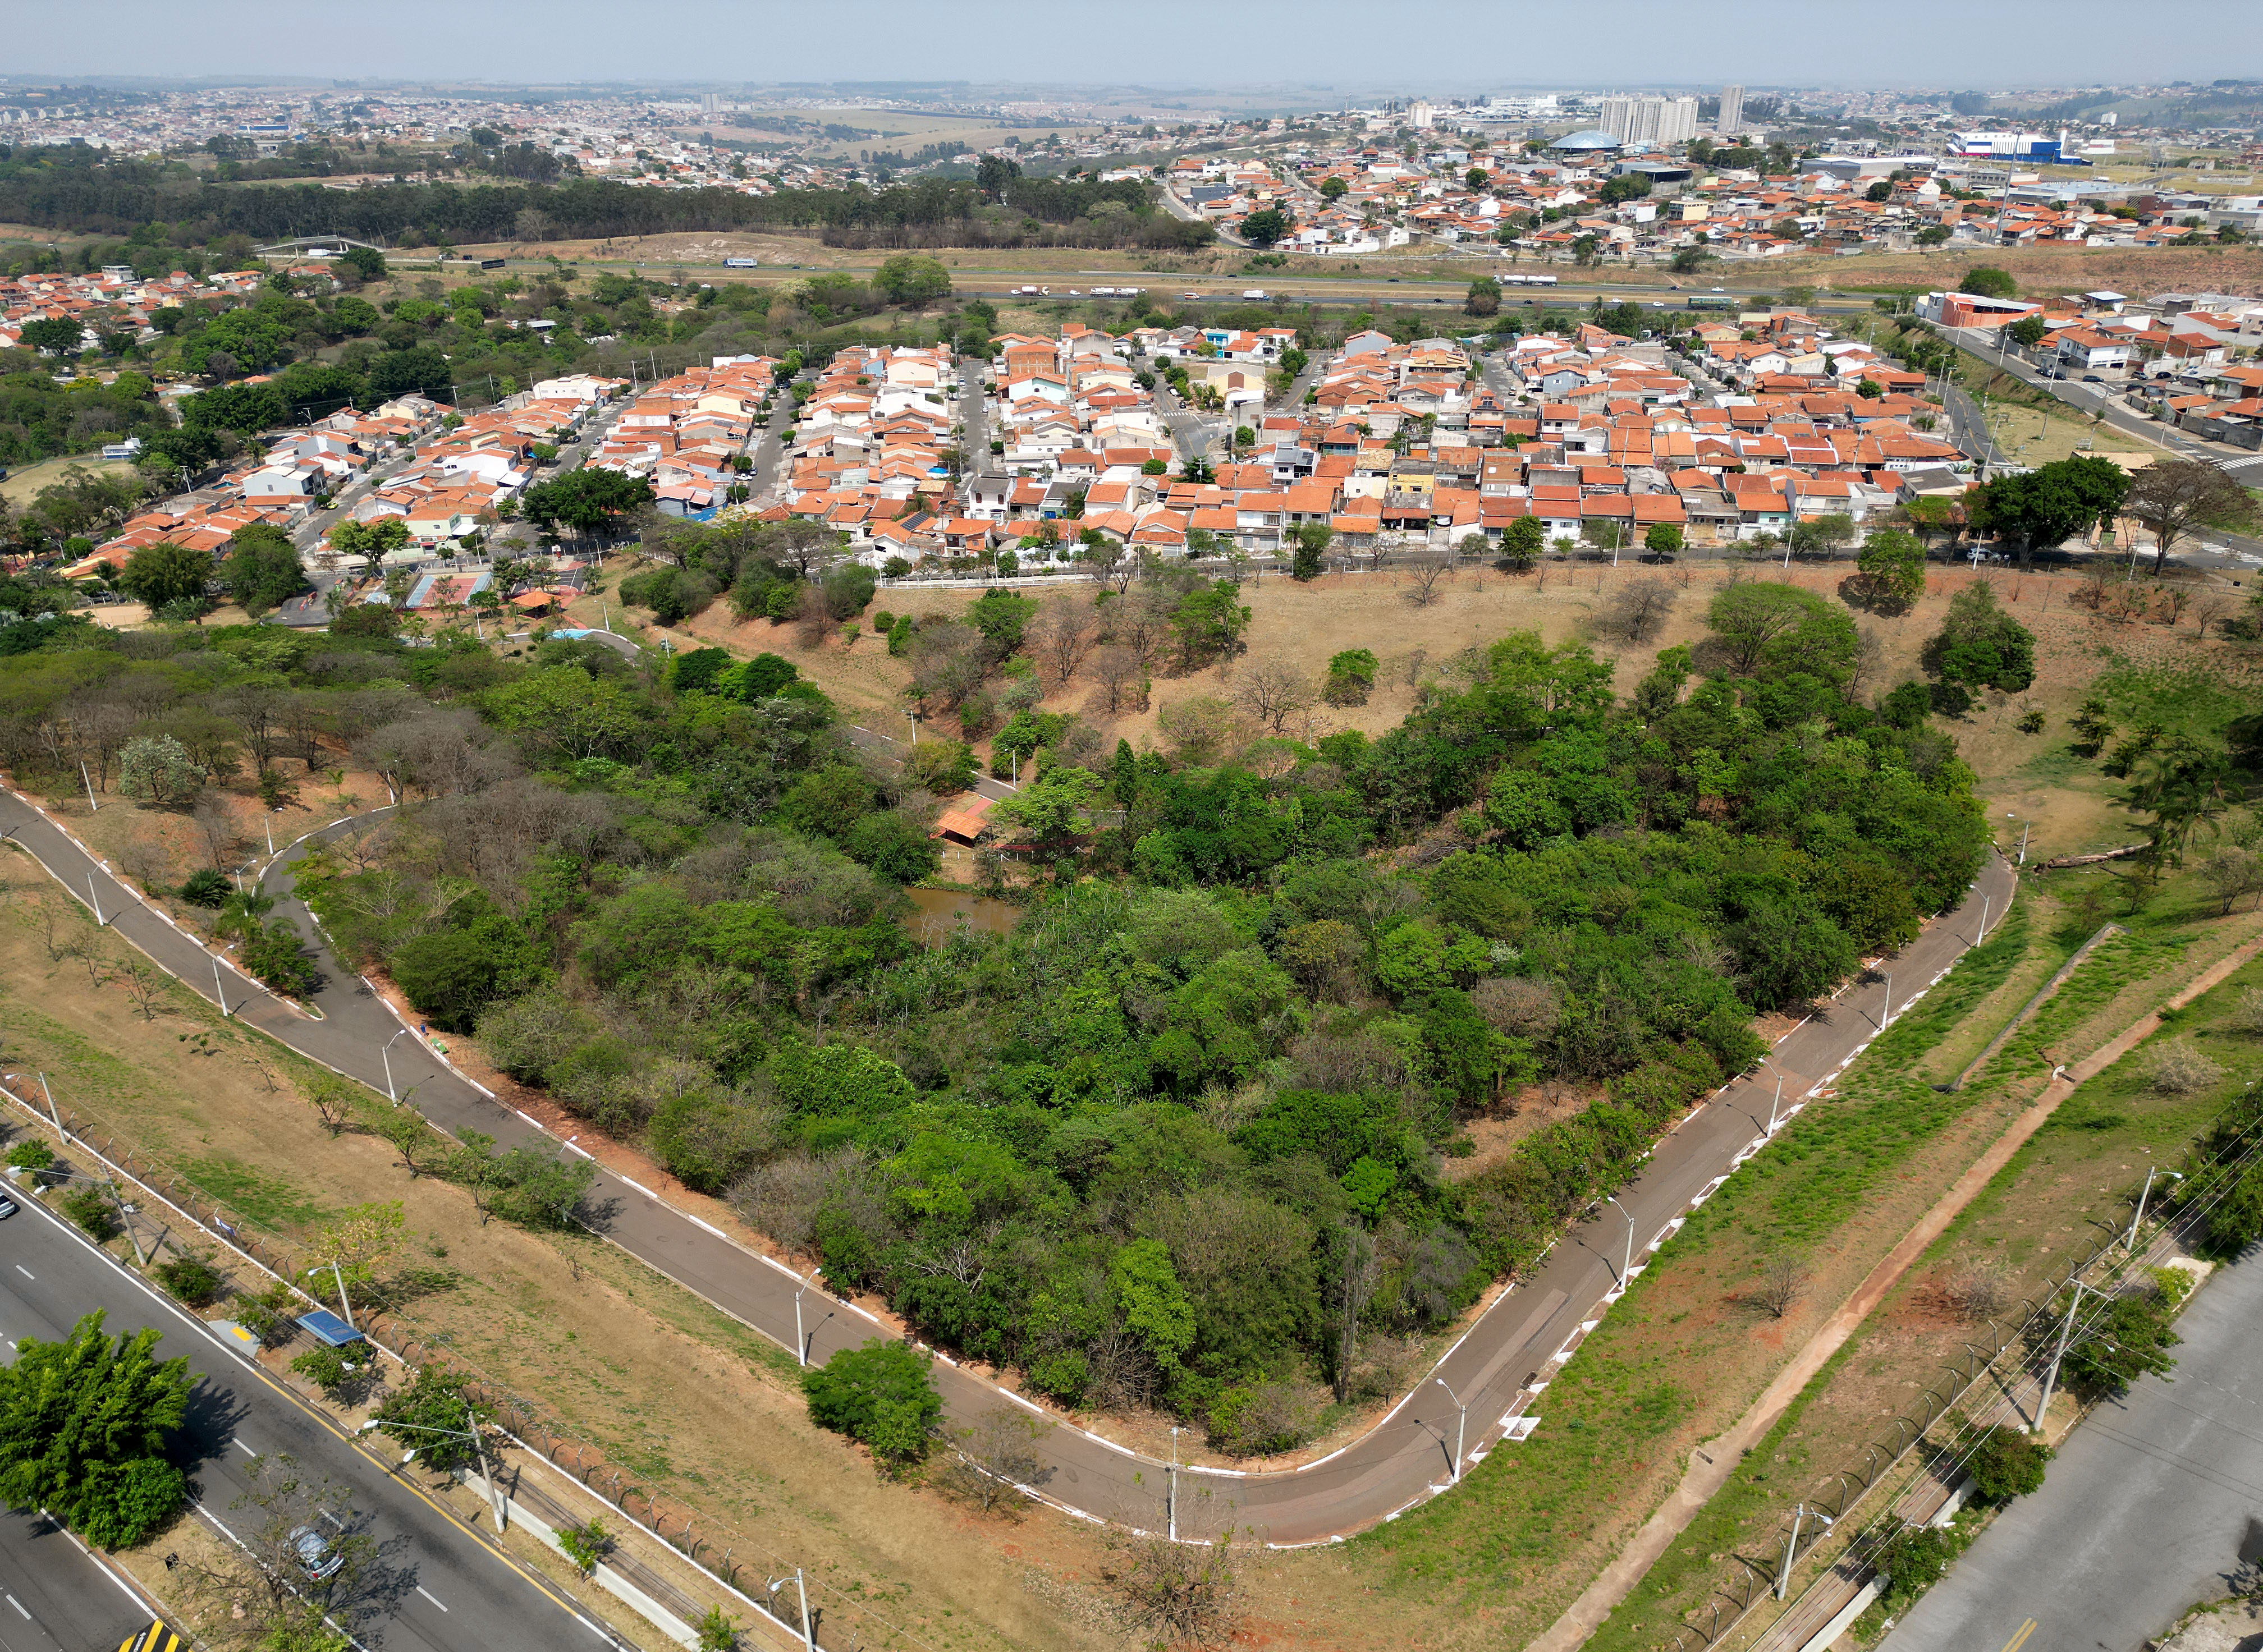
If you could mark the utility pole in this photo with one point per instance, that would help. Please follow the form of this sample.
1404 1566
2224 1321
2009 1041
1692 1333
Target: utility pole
2151 1171
1984 920
480 1452
808 1639
92 807
219 991
94 900
1799 1513
2051 1377
51 1114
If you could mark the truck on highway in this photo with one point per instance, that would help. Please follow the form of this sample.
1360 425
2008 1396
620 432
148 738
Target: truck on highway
741 263
1529 280
1030 293
1254 293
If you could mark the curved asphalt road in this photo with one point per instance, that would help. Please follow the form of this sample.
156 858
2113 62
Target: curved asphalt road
1498 1367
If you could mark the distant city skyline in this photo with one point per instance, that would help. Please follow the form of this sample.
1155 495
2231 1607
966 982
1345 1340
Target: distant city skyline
1634 46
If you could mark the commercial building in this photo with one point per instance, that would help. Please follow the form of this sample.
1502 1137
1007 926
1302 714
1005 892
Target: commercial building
1644 120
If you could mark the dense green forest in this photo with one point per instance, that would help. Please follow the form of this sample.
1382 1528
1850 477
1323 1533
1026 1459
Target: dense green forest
1183 1135
80 190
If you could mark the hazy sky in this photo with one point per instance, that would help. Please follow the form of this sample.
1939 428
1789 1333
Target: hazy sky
1441 46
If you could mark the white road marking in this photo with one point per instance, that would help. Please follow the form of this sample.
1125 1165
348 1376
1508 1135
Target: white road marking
430 1596
245 1449
20 1608
26 1272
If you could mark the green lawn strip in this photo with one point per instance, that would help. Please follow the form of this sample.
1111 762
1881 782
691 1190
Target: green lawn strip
1608 1414
2115 1120
2118 961
1741 1518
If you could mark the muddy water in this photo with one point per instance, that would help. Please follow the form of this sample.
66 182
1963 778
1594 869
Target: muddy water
941 910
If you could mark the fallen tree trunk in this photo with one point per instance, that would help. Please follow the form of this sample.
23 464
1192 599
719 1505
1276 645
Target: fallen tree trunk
2091 859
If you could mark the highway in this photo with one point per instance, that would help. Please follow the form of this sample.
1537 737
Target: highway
55 1597
434 1583
2151 1507
1408 1455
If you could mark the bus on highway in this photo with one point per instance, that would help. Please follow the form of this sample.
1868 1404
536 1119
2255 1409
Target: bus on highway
1711 302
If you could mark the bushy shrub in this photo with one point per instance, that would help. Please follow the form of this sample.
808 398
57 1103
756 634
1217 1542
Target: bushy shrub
2178 1068
2007 1464
92 1209
192 1278
1260 1417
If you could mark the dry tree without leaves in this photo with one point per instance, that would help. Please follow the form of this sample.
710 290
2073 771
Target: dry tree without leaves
1639 609
1059 635
145 985
1119 674
1424 570
1274 691
1179 1594
994 1458
2179 1069
1979 1287
1781 1283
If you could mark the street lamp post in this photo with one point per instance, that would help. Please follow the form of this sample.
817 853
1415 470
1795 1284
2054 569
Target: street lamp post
1171 1491
1799 1513
1460 1421
479 1451
800 1343
345 1306
1629 1215
384 1054
1778 1099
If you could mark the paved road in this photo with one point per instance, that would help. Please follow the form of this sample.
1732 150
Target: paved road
436 1585
1410 1454
2153 1503
55 1596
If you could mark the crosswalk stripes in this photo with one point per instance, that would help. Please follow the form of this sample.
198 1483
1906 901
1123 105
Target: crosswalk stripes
155 1638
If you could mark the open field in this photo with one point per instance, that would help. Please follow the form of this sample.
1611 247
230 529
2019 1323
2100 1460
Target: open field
24 481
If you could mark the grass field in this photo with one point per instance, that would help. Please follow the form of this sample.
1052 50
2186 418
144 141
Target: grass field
24 481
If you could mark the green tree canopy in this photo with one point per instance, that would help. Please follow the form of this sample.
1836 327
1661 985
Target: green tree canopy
1979 645
1769 630
1263 228
881 1396
164 573
2041 509
262 569
1988 282
913 279
84 1428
